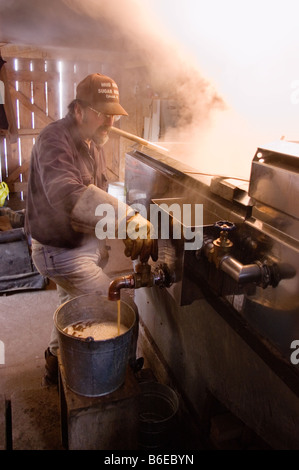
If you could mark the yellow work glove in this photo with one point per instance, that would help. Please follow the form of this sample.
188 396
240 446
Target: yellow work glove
140 239
4 191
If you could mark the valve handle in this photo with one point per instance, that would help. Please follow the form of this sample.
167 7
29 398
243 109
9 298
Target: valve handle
225 225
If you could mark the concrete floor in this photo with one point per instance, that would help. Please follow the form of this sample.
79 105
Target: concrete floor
26 320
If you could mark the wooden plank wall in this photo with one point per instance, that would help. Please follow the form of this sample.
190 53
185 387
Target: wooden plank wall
40 92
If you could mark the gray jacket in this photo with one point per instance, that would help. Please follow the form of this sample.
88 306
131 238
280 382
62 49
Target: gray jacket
60 169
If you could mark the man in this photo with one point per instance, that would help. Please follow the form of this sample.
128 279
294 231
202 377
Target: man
67 181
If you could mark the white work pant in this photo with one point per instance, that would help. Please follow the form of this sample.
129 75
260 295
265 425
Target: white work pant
75 271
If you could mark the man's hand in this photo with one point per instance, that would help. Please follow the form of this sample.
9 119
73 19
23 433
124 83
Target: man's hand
140 239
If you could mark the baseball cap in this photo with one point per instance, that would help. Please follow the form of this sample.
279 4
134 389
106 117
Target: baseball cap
100 92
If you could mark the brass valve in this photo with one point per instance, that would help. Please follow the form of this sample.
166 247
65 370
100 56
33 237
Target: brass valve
222 245
142 276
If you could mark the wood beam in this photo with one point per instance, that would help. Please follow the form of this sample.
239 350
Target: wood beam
29 132
9 107
63 53
32 107
36 76
20 170
18 187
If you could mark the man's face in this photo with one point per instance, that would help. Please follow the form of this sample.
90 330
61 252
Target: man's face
94 125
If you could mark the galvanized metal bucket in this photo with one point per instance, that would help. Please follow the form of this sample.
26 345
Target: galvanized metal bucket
158 407
94 368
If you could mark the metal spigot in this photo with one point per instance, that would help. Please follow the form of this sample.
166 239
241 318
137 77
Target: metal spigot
263 273
142 276
120 283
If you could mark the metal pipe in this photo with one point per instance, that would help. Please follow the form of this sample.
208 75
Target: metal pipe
139 140
241 273
119 283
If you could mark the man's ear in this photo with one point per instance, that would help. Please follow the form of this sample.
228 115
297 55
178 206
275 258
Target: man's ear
79 113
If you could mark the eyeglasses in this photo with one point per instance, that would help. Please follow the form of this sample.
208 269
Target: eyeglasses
105 116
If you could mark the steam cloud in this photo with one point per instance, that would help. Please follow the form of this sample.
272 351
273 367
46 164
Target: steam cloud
201 113
210 134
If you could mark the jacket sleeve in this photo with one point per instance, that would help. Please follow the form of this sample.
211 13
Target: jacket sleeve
85 214
60 178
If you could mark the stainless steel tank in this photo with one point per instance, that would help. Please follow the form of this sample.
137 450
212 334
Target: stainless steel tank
229 322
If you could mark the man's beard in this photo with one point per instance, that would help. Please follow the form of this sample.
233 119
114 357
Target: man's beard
99 138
